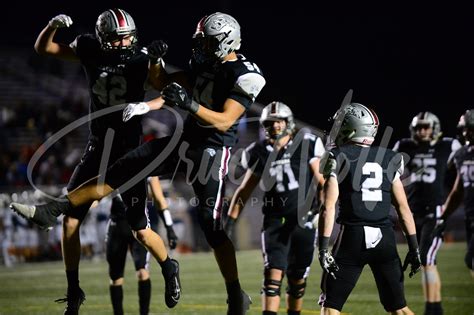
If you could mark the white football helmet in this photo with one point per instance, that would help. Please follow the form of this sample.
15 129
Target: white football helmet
359 125
216 36
273 111
113 24
429 119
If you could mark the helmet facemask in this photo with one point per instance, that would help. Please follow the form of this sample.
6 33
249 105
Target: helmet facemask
273 112
113 25
426 120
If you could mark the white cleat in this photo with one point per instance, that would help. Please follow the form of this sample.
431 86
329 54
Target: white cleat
28 212
25 211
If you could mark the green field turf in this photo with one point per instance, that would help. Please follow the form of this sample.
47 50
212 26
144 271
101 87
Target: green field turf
31 288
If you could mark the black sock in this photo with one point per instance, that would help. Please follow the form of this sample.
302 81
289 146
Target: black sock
269 313
289 312
437 308
167 268
56 208
233 288
116 296
72 277
144 295
428 309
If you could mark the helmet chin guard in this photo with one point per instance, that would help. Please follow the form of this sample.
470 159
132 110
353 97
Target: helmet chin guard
277 110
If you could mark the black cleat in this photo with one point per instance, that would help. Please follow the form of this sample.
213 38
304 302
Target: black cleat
239 306
41 216
74 301
173 287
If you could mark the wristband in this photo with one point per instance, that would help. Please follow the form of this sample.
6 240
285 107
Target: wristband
412 242
167 217
323 242
194 107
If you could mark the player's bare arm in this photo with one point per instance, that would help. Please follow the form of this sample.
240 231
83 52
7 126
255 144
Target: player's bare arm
45 45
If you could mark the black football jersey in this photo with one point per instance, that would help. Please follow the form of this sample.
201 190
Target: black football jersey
238 79
427 166
464 161
112 82
365 176
285 174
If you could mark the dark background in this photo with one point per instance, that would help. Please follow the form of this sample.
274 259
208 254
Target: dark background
399 60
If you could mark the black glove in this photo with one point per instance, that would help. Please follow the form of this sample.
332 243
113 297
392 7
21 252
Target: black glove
327 262
172 238
156 50
439 228
414 260
229 226
175 95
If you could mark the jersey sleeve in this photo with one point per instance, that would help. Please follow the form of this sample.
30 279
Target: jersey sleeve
396 147
455 146
316 147
247 87
74 44
251 160
396 167
86 48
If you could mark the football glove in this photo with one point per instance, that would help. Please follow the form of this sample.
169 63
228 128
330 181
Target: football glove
312 220
172 238
156 50
414 260
60 21
175 95
327 262
134 109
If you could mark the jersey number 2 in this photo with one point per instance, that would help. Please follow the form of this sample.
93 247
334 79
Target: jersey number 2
371 186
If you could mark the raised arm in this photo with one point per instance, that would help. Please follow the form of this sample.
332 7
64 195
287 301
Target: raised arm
158 77
45 45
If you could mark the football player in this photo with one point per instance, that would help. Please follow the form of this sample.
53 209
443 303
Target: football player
117 71
120 239
219 88
285 163
427 154
366 180
463 189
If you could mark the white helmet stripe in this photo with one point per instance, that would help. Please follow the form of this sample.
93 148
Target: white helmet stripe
119 18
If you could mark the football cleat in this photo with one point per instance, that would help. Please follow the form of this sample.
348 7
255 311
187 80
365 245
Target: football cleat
74 300
239 306
173 287
40 216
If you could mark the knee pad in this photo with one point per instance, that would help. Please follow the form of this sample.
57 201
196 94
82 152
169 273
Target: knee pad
429 276
271 287
296 290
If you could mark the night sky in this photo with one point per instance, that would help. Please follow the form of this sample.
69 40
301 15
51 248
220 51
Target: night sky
398 60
